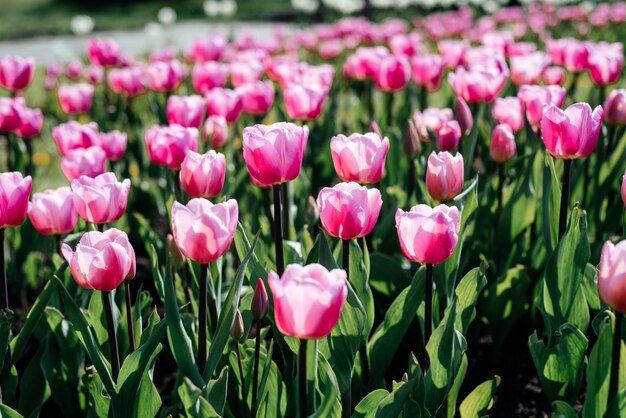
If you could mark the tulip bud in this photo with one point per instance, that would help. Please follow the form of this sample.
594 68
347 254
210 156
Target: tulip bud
178 259
624 189
375 128
260 301
412 144
612 275
502 147
615 108
405 378
236 330
463 116
312 213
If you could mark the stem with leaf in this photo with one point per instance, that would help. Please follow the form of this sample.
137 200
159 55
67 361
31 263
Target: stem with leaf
255 376
615 357
129 317
278 234
428 313
202 317
114 352
244 396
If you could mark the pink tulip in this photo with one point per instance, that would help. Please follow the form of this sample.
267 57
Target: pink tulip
463 115
83 162
74 69
257 96
428 235
330 49
615 108
431 121
102 261
427 70
16 73
104 52
448 135
348 210
359 158
203 175
9 114
392 73
52 212
168 145
225 102
164 54
165 76
553 76
273 153
452 51
187 111
31 121
209 49
308 300
72 135
204 231
127 81
572 133
605 66
216 131
623 189
444 175
208 75
477 85
508 110
76 98
242 72
527 69
101 199
575 55
534 98
304 102
502 147
14 193
113 143
612 275
94 74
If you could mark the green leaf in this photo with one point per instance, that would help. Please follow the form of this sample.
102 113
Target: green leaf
563 410
520 205
218 389
467 293
360 283
559 365
242 244
227 316
477 403
84 334
393 404
6 319
382 268
195 405
331 406
156 273
7 412
34 390
368 405
98 403
389 334
551 198
590 287
456 388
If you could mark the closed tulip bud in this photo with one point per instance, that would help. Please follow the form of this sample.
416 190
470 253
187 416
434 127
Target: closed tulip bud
76 98
508 110
412 144
105 52
273 153
178 259
204 231
312 213
463 115
260 301
304 102
428 235
572 133
101 199
477 84
168 145
502 147
243 72
102 261
615 108
74 69
208 75
88 162
308 300
225 102
348 210
612 275
186 111
16 73
203 175
14 193
53 211
605 66
236 330
359 158
375 128
444 175
216 131
448 136
127 81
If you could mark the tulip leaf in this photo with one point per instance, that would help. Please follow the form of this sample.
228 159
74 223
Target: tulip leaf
7 412
590 287
86 336
389 334
368 405
563 410
599 369
330 406
157 276
551 198
453 395
227 316
477 403
256 270
218 389
360 283
382 268
194 403
6 319
34 390
467 293
559 366
381 404
520 205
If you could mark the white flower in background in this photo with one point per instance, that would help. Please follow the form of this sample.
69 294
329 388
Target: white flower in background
211 8
167 15
82 24
306 6
345 6
153 29
229 7
383 4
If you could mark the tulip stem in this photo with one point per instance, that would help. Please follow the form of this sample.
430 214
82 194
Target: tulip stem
129 318
244 398
390 97
255 376
500 186
428 313
346 257
615 357
286 215
278 233
611 134
4 297
114 353
303 385
423 98
567 168
7 135
412 180
202 317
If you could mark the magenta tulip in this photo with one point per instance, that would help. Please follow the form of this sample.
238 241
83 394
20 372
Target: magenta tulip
508 110
572 133
444 175
73 135
308 300
502 146
16 73
612 275
203 175
165 76
94 74
463 115
428 235
101 199
273 153
76 98
208 75
225 102
359 158
605 66
9 114
452 51
31 121
304 102
392 74
209 49
104 52
14 194
127 81
553 76
204 231
615 108
113 143
427 70
257 96
448 135
215 131
534 98
187 111
102 261
348 210
477 85
83 162
243 72
168 145
52 212
431 121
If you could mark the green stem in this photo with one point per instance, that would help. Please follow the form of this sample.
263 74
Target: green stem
129 317
278 234
114 352
567 168
255 376
4 289
428 314
615 358
346 257
500 186
244 397
286 215
202 317
303 385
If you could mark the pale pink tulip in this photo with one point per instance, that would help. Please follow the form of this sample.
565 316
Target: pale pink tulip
101 199
168 145
502 146
304 102
572 133
359 158
215 131
14 194
203 175
52 212
444 175
83 162
187 111
612 275
508 110
73 135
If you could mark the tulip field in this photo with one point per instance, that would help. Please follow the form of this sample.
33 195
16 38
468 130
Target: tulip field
416 216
